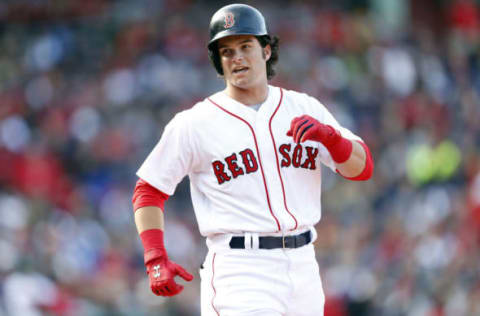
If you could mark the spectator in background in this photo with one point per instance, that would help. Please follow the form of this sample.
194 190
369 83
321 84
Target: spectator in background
84 87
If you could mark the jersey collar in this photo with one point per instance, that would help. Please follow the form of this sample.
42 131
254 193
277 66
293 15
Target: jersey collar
246 111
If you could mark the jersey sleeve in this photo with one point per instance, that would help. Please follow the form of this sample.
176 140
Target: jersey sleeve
325 117
171 158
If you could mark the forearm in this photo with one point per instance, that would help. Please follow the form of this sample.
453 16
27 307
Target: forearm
147 204
149 222
149 217
355 164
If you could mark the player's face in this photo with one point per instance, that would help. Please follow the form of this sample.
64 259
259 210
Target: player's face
243 60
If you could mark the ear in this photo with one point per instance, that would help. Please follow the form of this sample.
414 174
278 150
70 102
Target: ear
267 52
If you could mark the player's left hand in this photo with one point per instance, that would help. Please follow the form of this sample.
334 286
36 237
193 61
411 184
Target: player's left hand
305 127
161 273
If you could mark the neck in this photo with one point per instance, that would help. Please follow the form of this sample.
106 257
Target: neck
248 96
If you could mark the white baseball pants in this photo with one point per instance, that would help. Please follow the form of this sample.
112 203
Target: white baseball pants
260 282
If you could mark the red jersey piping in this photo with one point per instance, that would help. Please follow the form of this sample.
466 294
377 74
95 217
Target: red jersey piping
213 286
259 159
276 160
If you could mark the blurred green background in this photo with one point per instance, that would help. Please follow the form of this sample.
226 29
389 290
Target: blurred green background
86 88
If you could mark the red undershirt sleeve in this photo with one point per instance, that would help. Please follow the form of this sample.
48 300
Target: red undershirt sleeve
146 195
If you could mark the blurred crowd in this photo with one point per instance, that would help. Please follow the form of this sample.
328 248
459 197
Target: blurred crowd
86 88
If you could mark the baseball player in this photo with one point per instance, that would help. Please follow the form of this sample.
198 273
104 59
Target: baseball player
252 153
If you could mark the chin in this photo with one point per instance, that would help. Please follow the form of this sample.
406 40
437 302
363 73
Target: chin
241 84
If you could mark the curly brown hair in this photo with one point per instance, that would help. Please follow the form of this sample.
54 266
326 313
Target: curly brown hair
274 44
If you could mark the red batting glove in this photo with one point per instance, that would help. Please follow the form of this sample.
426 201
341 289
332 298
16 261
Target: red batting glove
305 127
161 271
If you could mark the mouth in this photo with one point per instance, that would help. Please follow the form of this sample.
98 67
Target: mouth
240 70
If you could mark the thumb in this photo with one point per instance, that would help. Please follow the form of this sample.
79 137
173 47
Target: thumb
183 273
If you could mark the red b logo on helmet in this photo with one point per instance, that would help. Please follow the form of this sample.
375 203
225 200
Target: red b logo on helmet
229 20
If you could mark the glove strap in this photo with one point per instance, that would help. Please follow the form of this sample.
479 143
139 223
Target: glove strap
152 240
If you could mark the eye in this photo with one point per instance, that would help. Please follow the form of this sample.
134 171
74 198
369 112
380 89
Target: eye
226 52
245 46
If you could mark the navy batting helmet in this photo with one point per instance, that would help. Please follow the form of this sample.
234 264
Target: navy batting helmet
234 19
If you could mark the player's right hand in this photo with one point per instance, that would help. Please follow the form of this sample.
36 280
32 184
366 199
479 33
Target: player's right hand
161 273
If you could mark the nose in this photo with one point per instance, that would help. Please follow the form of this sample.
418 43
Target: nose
238 57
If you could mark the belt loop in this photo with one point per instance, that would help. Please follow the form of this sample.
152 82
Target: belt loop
248 240
313 234
255 241
283 241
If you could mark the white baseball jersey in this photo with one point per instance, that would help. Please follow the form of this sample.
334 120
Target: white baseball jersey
246 174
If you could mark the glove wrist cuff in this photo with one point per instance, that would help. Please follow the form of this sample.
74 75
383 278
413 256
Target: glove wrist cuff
339 147
155 254
152 240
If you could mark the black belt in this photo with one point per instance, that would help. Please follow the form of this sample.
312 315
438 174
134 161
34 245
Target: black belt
270 242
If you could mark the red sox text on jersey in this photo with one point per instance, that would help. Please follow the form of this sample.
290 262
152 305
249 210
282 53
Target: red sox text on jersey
249 161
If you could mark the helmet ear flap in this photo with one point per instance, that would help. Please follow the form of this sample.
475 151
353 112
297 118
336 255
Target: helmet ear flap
215 59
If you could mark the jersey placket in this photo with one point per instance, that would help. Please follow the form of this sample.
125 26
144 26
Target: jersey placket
268 153
249 118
